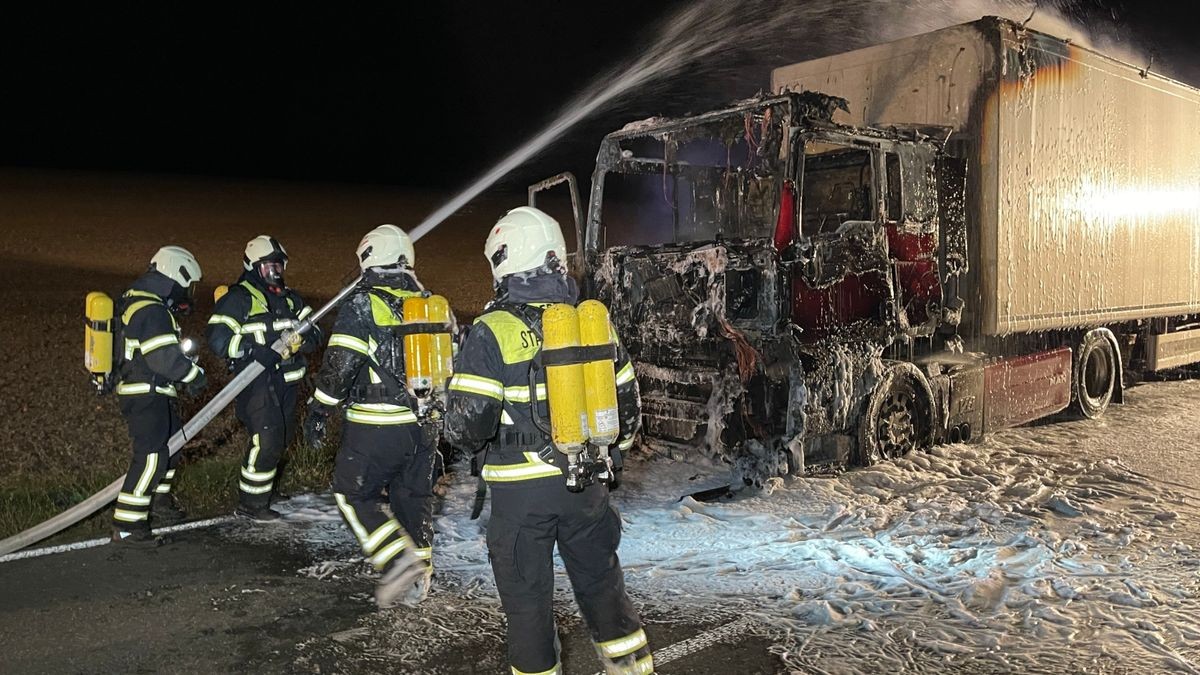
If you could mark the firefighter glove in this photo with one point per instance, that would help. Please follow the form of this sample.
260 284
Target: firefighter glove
268 357
315 425
295 343
197 385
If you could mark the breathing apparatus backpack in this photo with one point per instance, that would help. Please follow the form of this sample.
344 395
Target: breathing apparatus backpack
424 326
578 354
100 355
428 351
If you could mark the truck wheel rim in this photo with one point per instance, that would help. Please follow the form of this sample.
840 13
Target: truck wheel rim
897 431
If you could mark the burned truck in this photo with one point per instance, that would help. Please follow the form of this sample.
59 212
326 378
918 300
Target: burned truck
965 230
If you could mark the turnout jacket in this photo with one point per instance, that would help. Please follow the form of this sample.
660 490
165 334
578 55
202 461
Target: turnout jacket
250 313
364 360
497 389
152 359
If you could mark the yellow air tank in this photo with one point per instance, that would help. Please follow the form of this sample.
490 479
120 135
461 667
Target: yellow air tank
98 336
418 347
442 358
564 380
599 374
219 292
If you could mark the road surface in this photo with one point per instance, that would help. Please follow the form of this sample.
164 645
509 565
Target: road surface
1061 547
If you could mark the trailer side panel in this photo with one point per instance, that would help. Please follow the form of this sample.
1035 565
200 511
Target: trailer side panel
1099 170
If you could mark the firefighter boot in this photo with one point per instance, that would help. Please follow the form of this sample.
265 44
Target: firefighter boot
135 538
166 511
259 514
406 581
627 665
417 593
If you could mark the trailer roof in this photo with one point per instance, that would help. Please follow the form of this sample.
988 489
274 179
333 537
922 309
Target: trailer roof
816 107
662 125
1144 71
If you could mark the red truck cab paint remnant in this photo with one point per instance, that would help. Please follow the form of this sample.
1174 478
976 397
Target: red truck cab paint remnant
915 256
785 224
1026 388
852 299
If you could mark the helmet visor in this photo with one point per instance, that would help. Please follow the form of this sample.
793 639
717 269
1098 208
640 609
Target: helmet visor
271 271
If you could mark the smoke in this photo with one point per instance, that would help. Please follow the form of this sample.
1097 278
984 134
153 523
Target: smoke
759 35
718 48
1053 17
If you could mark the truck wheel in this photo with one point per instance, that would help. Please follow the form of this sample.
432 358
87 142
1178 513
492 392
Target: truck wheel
1097 373
897 418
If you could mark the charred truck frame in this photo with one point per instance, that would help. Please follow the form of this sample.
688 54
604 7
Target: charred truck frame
1003 227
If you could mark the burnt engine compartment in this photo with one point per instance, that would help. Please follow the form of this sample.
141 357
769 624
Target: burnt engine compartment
714 357
723 372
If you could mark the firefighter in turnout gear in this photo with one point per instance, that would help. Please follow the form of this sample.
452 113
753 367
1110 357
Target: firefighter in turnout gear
151 363
496 399
385 447
246 321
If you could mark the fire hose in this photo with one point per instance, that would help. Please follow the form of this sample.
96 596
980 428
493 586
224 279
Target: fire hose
189 431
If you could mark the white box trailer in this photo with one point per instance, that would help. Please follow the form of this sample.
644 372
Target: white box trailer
1083 171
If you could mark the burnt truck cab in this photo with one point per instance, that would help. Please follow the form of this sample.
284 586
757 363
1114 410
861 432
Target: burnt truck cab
775 277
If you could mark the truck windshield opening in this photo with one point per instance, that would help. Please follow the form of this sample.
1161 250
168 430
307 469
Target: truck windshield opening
720 179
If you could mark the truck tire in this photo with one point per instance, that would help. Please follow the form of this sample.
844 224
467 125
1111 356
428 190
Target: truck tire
1097 373
898 416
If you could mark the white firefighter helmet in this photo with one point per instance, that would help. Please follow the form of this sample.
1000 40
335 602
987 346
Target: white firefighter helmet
386 246
522 240
263 247
177 264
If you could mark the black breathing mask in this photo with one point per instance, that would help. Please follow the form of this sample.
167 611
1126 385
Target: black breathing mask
271 272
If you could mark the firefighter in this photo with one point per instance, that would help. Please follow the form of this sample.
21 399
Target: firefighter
384 445
490 411
246 321
152 362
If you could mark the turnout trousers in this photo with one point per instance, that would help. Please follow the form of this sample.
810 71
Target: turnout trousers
398 459
152 420
267 409
528 519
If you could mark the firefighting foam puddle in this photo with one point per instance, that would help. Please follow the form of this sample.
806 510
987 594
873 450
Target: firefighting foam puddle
986 555
1038 550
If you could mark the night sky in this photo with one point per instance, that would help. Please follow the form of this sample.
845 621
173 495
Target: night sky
405 93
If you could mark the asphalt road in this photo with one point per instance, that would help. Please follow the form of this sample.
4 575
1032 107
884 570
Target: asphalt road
1111 587
210 601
